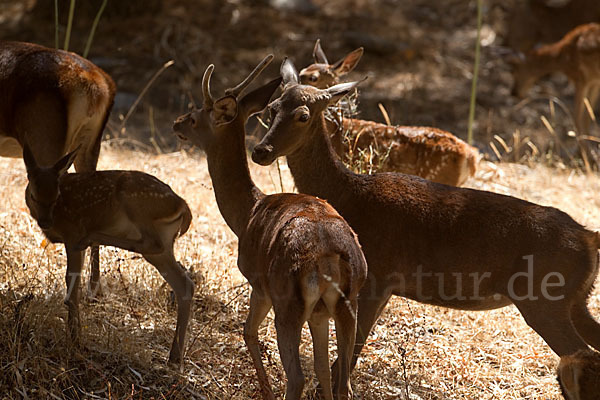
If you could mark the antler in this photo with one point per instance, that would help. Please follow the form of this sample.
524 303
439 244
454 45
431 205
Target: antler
208 99
236 91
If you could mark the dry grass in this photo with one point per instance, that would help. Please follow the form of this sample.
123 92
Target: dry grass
429 352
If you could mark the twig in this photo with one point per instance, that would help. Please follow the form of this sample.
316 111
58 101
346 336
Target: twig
93 29
475 74
143 92
69 25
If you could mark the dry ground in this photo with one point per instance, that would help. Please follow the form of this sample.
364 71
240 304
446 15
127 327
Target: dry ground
427 352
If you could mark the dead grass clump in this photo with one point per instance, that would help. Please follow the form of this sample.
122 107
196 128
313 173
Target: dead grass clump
415 351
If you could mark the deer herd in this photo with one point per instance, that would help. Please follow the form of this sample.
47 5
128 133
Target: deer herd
342 246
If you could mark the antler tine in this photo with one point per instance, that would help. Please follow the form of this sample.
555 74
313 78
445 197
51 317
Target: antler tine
236 91
208 99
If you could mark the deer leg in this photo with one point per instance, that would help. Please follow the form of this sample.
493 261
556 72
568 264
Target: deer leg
183 286
86 161
259 307
319 329
149 243
73 280
94 286
552 321
345 328
370 306
582 120
586 325
288 323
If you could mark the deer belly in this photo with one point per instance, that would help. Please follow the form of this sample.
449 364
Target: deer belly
121 228
10 147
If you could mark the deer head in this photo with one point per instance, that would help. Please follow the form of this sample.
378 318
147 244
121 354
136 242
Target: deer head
203 124
321 74
43 189
295 115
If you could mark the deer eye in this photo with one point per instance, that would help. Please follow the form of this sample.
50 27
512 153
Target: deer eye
194 121
304 117
313 78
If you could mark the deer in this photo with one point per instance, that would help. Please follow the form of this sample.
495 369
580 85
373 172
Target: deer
438 244
53 101
532 22
579 375
427 152
298 254
126 209
576 55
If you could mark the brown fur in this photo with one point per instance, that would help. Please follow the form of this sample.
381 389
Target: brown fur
127 209
298 254
577 55
430 153
579 375
54 101
420 237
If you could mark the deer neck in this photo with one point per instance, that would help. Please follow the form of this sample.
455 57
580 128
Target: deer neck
235 191
316 168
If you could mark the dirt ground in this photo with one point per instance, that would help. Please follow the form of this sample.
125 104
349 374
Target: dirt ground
415 351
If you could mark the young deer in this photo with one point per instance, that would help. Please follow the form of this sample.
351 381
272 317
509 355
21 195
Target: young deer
430 153
298 254
127 209
577 55
438 244
53 101
579 375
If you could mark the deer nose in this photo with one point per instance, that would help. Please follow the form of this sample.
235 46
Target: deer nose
263 154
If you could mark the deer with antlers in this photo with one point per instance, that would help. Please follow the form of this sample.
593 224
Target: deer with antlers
579 375
300 257
427 152
53 101
577 55
127 209
442 245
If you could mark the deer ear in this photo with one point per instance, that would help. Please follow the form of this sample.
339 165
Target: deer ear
62 165
318 53
288 72
225 110
257 100
338 91
348 63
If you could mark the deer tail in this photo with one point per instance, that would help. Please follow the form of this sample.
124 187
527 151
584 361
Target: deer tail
186 220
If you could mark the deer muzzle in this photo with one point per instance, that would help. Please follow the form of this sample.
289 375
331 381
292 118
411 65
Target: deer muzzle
263 154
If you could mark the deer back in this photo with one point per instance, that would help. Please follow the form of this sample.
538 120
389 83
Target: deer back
53 100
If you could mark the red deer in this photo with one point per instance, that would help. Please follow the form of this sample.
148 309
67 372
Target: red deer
579 375
577 55
127 209
53 101
430 153
535 22
442 245
298 254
